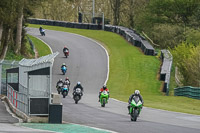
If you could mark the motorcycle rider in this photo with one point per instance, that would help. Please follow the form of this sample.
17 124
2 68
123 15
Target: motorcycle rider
104 88
78 85
136 93
66 82
64 49
63 65
59 81
40 29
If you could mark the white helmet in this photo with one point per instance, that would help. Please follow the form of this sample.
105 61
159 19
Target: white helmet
63 64
78 83
137 92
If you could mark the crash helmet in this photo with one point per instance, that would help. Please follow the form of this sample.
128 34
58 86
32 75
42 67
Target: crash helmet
104 87
78 83
66 78
63 64
137 92
60 79
65 47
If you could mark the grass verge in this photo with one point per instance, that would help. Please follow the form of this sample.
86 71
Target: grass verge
10 55
41 47
130 69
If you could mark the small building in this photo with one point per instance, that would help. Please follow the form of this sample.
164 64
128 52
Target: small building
31 92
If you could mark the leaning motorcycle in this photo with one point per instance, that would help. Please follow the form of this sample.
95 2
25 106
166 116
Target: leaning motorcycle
77 95
64 70
59 87
104 98
42 32
65 91
135 108
66 53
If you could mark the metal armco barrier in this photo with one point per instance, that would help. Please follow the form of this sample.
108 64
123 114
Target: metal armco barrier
188 91
166 67
129 34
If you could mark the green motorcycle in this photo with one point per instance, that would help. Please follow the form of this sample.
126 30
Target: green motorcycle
135 108
104 98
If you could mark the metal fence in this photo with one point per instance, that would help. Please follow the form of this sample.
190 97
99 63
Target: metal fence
19 99
166 67
22 99
6 64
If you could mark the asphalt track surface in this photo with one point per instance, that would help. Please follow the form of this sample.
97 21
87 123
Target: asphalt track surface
87 63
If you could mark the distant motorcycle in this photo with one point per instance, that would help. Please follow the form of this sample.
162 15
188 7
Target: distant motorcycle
135 108
66 53
42 32
77 95
59 87
104 98
65 91
64 70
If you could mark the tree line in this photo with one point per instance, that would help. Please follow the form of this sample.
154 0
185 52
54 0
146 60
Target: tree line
170 24
13 16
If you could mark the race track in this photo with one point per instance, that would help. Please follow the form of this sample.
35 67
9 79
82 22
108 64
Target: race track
87 63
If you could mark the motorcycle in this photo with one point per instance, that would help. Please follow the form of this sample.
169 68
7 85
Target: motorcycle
66 82
65 90
66 53
59 87
104 98
64 70
135 108
42 32
77 95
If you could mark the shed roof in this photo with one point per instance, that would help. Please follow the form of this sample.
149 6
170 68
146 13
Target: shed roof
41 60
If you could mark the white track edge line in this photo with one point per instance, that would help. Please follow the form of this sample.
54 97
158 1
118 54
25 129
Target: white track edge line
100 129
107 76
45 44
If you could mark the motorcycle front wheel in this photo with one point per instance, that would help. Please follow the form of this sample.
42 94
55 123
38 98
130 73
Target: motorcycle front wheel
76 98
103 102
134 115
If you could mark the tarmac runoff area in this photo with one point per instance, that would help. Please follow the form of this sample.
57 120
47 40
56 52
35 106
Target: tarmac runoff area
64 128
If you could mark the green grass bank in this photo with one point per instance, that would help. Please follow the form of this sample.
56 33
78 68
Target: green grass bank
40 46
130 69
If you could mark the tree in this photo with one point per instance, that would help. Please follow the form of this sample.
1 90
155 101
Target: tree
7 9
192 65
20 7
187 59
116 6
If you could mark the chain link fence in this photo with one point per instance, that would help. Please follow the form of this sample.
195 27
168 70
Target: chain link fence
7 64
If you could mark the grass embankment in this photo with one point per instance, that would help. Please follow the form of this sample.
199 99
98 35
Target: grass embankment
40 47
130 69
10 55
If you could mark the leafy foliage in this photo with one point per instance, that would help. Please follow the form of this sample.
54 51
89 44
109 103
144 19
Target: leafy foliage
187 59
